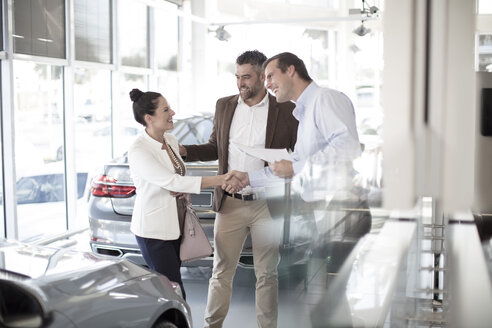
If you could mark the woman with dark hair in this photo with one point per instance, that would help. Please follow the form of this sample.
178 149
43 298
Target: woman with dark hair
159 176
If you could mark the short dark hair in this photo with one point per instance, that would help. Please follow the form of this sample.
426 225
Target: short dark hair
143 103
285 59
253 57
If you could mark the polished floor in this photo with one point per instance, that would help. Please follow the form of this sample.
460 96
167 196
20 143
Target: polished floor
299 290
295 300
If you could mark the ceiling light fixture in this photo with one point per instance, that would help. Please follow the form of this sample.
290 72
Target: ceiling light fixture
367 12
221 34
361 30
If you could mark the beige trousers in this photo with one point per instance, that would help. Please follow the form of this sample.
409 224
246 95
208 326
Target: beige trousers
232 224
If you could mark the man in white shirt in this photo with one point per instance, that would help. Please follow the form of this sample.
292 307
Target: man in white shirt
327 142
252 118
327 130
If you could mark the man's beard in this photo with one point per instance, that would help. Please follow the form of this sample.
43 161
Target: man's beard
248 93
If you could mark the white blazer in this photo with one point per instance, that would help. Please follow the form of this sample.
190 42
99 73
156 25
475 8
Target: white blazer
155 214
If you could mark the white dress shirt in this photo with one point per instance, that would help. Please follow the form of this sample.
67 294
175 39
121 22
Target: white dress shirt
327 132
247 128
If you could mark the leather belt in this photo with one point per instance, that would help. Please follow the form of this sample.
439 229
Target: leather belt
244 197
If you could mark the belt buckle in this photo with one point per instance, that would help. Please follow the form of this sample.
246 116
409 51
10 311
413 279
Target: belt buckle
249 197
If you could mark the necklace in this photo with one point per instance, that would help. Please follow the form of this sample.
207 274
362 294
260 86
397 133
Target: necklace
174 159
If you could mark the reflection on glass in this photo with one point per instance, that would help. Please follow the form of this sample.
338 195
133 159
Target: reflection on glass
166 37
125 128
38 92
39 28
485 52
93 30
133 33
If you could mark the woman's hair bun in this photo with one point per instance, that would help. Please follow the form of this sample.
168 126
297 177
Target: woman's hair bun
135 94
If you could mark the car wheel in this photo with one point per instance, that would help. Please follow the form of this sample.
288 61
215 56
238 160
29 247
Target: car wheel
164 324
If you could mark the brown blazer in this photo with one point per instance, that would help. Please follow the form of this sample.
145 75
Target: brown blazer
281 132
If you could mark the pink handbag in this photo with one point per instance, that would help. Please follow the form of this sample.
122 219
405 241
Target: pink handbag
194 242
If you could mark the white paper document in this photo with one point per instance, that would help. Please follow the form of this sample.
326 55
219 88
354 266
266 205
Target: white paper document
266 154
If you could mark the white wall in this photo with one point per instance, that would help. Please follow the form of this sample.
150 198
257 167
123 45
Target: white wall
431 156
483 155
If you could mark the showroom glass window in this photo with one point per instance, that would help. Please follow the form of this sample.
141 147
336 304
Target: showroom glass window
39 28
168 84
166 36
125 128
133 33
92 115
38 119
93 30
166 48
92 134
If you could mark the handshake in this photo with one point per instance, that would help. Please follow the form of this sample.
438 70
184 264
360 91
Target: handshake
234 181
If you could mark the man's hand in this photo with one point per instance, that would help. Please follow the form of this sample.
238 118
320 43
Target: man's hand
178 195
182 150
282 169
235 181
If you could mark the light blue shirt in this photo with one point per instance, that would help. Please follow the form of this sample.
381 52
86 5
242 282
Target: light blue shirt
327 132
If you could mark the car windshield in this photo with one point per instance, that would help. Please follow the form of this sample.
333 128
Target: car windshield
193 130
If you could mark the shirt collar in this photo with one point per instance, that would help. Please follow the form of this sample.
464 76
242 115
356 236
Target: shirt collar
263 102
303 100
307 94
151 140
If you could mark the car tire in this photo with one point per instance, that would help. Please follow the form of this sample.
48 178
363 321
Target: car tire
164 324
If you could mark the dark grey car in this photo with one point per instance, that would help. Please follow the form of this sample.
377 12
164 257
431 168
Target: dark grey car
51 287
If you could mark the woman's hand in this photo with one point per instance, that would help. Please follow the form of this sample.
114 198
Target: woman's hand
235 181
179 195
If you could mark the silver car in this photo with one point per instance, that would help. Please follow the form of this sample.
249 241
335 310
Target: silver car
113 195
51 287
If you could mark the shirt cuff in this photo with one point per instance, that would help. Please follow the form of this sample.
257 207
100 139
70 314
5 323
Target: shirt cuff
297 166
256 178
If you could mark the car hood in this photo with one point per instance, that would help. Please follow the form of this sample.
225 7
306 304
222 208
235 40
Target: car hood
51 271
68 288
